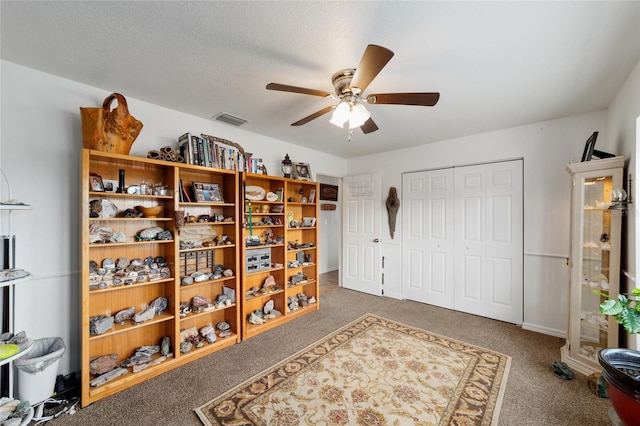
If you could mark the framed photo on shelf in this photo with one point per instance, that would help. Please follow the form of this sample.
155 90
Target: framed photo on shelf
302 171
589 147
110 185
312 196
207 192
96 184
308 222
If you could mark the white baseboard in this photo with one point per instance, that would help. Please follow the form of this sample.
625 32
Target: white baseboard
544 330
393 295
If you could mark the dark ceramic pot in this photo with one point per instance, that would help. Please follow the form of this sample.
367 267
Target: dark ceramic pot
621 367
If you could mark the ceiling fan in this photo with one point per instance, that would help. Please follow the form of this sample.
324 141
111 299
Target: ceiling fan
349 85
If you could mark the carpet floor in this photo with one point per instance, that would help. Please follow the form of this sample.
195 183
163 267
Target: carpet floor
533 396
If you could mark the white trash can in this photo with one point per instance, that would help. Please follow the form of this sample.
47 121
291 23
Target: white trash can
37 370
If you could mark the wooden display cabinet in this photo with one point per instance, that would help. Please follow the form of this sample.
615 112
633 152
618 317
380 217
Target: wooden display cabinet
301 235
214 224
108 297
265 254
594 261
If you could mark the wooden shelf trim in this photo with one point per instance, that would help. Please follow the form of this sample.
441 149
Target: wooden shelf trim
222 246
195 315
132 243
129 326
169 280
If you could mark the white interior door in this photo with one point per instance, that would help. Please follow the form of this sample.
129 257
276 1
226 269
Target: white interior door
489 240
362 267
427 223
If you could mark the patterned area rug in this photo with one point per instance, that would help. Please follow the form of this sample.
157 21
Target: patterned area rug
371 372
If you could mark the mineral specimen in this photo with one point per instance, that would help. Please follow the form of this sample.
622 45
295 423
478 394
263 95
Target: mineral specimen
164 235
123 263
102 364
99 234
149 313
200 304
125 315
208 333
223 326
269 282
255 319
107 377
185 347
135 360
268 307
100 324
187 333
165 346
160 304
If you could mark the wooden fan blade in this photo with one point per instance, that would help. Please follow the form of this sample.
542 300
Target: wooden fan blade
422 99
369 126
373 60
294 89
313 116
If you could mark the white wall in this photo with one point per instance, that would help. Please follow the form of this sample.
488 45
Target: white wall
330 228
40 152
624 134
546 147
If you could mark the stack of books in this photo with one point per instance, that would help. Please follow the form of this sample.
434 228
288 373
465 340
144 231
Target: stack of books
212 152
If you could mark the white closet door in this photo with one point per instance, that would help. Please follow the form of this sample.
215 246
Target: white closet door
428 239
489 243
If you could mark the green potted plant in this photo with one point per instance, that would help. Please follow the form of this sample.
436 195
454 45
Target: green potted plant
624 309
621 367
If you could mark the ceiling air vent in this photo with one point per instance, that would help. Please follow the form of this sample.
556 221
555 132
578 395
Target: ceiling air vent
229 119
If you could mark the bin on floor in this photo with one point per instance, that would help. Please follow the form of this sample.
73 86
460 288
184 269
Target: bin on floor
38 368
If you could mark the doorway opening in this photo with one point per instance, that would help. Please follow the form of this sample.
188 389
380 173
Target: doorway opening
330 221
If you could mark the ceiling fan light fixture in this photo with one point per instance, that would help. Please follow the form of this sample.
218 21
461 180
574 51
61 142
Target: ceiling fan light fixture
340 114
359 115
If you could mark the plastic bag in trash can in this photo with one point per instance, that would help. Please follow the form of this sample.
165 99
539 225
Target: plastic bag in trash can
43 353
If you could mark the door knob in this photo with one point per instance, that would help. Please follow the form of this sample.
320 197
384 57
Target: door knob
377 240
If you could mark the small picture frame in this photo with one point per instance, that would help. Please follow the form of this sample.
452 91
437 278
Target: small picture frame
279 193
216 193
308 222
328 192
587 153
278 208
302 171
110 185
95 183
207 192
312 196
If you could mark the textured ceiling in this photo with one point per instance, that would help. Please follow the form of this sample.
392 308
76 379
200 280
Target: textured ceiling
496 64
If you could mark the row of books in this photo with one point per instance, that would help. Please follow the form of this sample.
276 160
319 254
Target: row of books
215 152
254 164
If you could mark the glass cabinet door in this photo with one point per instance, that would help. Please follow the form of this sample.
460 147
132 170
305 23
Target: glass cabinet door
594 261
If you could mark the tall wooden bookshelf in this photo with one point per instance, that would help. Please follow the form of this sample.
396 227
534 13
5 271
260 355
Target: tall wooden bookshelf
105 296
280 251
